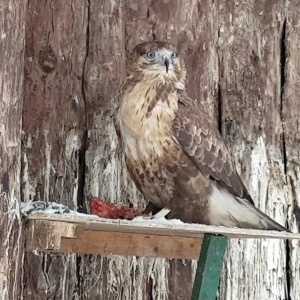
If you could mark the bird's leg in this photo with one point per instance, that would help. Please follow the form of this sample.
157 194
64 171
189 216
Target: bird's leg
153 212
150 209
162 213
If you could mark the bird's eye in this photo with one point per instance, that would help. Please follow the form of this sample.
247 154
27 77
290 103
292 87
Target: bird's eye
150 55
173 56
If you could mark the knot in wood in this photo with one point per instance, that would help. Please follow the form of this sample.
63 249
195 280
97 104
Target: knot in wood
47 59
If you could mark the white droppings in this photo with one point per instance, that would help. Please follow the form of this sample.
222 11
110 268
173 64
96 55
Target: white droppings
294 246
12 144
47 166
28 142
73 143
150 221
159 275
231 39
76 99
29 184
41 207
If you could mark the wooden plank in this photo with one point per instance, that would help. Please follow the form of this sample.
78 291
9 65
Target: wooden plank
92 235
86 234
66 237
158 227
133 244
47 235
209 268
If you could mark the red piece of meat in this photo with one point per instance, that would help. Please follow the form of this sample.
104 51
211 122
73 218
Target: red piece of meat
112 211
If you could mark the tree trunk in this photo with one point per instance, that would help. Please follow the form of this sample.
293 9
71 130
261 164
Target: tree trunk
12 35
242 61
250 79
54 130
290 110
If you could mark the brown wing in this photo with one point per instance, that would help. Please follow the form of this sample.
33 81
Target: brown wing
202 142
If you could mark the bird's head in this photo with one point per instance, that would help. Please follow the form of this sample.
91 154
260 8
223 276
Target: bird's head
159 60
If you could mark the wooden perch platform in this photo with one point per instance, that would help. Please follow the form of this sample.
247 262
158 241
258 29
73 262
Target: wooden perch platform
79 233
92 235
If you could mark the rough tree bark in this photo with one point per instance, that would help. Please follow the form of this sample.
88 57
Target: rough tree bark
290 110
242 60
250 79
12 37
54 127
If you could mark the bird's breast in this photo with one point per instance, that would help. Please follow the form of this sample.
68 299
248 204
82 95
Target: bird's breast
146 131
146 120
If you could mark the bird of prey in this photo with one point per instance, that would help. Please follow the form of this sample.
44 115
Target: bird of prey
173 151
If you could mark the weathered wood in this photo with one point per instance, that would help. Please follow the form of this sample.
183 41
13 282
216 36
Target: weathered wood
159 227
250 95
12 38
53 127
105 176
89 235
290 74
132 244
65 237
233 52
209 267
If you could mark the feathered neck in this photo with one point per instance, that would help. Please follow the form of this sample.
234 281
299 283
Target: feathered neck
154 80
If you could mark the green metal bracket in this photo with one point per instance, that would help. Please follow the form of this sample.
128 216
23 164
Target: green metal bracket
209 267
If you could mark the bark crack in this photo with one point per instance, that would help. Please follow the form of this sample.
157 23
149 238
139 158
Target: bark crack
282 84
82 164
52 17
220 108
283 59
82 152
219 91
152 26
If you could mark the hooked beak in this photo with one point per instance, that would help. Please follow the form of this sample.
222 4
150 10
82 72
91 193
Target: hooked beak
167 62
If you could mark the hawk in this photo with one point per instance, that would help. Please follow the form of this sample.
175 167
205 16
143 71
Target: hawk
174 153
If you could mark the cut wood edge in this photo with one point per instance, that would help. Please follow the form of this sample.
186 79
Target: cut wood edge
59 237
169 228
87 234
41 234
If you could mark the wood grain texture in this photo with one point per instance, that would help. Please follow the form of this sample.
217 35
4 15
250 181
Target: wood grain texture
66 237
12 39
53 126
75 62
250 57
291 136
132 244
155 227
105 176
